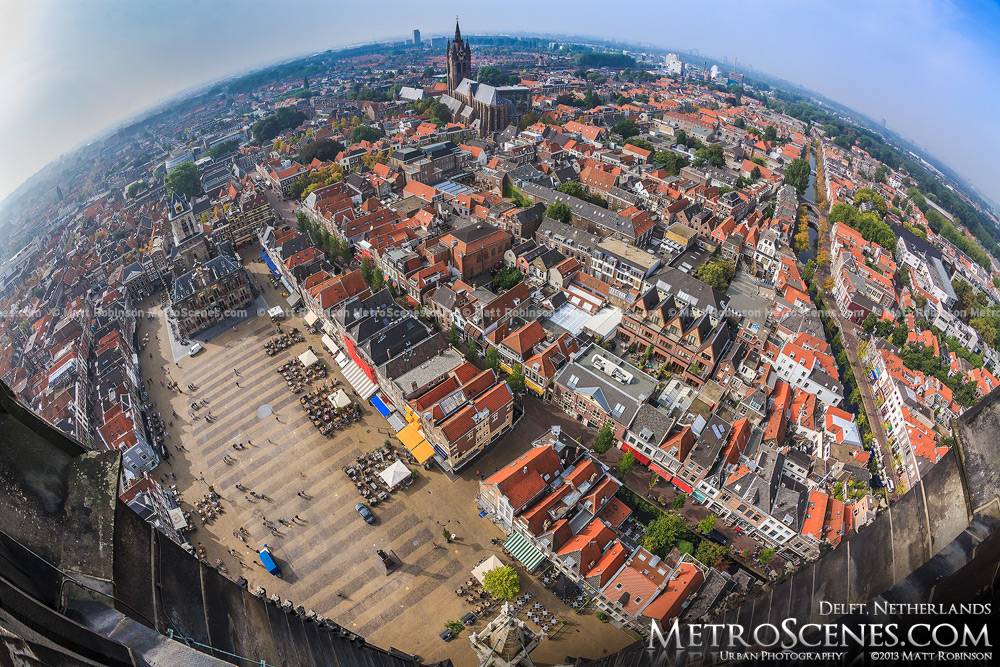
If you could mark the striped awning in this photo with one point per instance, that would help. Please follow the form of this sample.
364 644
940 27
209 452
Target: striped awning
523 551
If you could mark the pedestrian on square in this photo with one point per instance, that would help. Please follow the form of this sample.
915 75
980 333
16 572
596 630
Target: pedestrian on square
238 384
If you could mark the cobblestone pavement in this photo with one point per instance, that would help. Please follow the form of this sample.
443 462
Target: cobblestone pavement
331 549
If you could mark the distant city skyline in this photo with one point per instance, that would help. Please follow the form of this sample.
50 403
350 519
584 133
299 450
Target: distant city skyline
71 70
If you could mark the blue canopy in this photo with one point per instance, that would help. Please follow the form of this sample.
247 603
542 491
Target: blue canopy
267 260
380 406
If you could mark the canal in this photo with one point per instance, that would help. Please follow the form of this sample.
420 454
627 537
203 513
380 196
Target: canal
811 190
810 252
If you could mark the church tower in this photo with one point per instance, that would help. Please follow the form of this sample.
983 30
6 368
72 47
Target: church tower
181 218
459 60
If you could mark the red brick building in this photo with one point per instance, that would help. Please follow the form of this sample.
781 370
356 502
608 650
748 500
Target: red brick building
477 248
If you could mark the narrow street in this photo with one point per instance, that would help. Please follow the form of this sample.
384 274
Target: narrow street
850 335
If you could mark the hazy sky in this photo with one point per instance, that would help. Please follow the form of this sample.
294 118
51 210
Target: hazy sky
71 68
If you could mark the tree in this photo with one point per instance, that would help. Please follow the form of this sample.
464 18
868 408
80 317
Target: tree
378 280
134 189
560 211
808 271
711 554
471 350
679 501
367 270
766 555
869 195
302 222
493 359
899 335
573 189
494 76
428 72
321 149
265 129
184 180
626 128
225 148
365 133
718 274
713 154
507 278
870 323
288 118
626 463
755 174
605 438
985 328
797 175
454 626
770 134
681 137
662 533
502 583
455 335
516 379
706 525
671 160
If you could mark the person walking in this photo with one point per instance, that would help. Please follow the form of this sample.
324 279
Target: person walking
236 372
238 384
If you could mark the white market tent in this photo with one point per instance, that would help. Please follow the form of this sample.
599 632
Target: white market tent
177 518
330 345
310 318
395 474
491 563
340 399
308 358
276 312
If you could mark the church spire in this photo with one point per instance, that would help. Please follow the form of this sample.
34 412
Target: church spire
458 33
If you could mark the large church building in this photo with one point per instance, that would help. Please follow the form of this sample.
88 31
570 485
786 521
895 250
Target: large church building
486 108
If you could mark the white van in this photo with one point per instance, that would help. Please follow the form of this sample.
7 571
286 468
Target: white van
195 349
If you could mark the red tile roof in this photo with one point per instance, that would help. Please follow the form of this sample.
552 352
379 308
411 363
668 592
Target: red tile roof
522 479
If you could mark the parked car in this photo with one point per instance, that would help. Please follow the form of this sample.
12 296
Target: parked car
365 513
195 349
718 537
